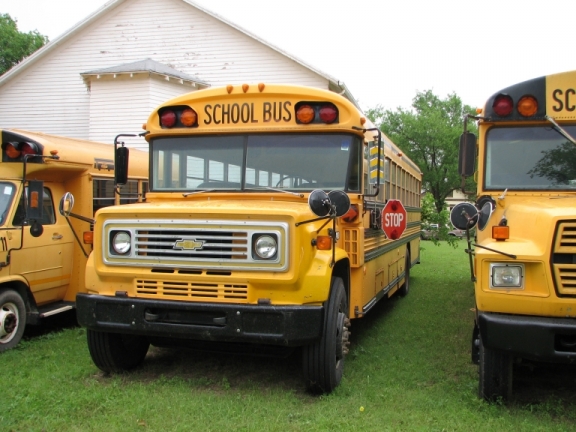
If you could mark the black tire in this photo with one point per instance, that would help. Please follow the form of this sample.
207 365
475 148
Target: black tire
405 288
113 352
12 319
323 361
495 378
475 349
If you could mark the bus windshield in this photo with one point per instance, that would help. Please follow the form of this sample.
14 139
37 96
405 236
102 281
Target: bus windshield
237 162
530 158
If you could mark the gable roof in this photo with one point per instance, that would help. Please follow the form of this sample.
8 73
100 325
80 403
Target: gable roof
334 84
146 65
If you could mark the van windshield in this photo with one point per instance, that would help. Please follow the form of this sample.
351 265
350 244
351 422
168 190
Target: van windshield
244 162
7 191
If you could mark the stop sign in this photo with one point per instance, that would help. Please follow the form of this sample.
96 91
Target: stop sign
394 219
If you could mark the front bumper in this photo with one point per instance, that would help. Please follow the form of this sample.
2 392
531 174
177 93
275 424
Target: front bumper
260 324
538 338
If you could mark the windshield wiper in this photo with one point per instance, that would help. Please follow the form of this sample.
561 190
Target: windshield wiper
561 130
300 195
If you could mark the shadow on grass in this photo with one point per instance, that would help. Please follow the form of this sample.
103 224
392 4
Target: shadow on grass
52 324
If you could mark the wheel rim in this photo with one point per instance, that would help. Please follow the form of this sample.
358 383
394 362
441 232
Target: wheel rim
342 338
8 322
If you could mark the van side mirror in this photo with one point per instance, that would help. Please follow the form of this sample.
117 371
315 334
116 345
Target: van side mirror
467 155
34 207
121 165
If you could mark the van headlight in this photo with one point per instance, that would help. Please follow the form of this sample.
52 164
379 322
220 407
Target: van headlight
265 246
121 242
506 275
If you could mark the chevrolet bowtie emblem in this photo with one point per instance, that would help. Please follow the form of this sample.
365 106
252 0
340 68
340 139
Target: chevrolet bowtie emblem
191 244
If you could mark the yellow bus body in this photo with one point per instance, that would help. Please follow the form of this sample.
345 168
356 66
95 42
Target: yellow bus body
525 289
41 275
180 282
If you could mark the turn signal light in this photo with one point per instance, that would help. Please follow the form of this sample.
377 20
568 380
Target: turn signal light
88 237
500 233
324 242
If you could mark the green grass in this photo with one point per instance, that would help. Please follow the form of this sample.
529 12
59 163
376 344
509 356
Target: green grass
409 369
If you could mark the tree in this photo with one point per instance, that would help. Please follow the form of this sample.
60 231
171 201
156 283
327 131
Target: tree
429 134
16 45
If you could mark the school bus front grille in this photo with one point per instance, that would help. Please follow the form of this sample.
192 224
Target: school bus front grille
196 244
564 259
193 290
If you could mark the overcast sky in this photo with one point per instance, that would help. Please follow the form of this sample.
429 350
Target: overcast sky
385 51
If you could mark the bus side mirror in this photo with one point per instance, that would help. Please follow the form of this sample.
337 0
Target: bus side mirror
121 165
34 207
467 154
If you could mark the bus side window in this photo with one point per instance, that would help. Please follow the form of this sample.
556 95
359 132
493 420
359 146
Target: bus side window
48 215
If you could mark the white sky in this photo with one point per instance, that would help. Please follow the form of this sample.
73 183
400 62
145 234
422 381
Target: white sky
385 51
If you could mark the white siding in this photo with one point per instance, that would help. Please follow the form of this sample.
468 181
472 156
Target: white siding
123 104
51 96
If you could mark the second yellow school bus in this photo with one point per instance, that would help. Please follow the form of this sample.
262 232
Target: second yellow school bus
41 262
261 229
524 263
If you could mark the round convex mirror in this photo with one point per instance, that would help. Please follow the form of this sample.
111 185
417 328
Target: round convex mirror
341 201
319 202
464 215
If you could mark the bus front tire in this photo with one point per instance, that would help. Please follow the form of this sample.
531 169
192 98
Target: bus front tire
323 361
12 319
495 377
113 352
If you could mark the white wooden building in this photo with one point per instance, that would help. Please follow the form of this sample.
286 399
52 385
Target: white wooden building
106 74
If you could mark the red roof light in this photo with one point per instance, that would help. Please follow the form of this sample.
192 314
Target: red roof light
328 113
168 119
503 105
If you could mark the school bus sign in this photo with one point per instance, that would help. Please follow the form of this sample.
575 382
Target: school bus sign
394 219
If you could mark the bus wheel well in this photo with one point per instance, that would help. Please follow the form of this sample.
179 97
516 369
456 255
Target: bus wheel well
22 289
342 270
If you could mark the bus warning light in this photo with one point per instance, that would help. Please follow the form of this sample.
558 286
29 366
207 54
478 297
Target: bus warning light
188 117
503 105
305 114
168 119
328 113
527 106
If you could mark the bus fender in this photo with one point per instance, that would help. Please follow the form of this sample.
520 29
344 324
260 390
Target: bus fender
317 280
20 285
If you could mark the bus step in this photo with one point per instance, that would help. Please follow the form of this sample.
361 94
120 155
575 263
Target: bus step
55 308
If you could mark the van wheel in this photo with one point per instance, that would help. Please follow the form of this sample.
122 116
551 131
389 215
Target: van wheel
405 288
495 380
113 352
12 319
323 361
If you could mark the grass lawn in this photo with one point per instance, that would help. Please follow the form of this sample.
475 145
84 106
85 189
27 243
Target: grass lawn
409 369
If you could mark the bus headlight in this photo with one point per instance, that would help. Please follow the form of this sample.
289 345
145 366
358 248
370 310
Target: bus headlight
506 276
265 246
121 242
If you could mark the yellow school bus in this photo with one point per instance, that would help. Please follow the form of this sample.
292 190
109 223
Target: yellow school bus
41 263
524 262
261 231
